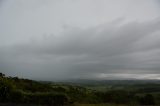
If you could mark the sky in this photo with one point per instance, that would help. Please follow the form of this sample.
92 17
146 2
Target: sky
86 39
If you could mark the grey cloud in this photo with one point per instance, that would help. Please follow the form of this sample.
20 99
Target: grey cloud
101 49
79 39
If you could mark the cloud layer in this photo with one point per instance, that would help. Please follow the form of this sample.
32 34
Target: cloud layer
102 48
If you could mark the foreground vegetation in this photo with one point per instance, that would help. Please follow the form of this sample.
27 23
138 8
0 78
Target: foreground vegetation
100 105
23 91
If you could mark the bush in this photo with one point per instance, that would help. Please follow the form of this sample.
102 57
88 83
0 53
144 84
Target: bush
5 89
46 98
148 99
17 96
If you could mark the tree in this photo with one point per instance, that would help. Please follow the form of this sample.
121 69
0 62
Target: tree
2 75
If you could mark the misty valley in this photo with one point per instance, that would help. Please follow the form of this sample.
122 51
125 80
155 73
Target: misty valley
16 91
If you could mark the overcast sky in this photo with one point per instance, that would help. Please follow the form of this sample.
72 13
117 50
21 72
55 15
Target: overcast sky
65 39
